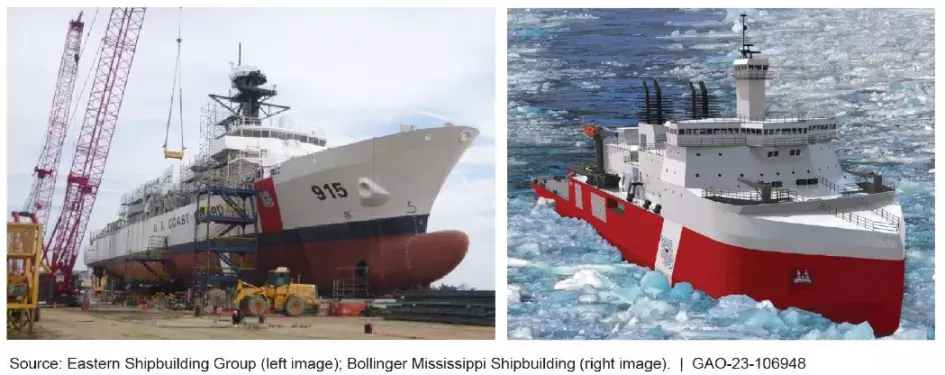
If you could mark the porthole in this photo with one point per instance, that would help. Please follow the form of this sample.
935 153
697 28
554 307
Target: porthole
741 175
697 175
720 175
777 173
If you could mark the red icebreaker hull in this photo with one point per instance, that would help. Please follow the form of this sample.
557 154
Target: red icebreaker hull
847 289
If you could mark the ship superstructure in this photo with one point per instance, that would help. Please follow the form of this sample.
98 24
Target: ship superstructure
323 211
750 204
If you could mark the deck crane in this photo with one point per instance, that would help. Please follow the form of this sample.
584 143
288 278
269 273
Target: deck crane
88 165
39 201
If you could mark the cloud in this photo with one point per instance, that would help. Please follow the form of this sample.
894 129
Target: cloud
353 73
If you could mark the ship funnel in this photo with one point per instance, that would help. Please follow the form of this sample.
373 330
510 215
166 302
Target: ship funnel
646 115
659 102
705 99
655 108
693 109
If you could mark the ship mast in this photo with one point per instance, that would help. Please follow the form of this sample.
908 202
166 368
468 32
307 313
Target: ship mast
750 75
247 106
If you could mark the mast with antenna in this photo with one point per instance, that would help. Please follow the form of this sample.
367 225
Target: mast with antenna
746 51
750 75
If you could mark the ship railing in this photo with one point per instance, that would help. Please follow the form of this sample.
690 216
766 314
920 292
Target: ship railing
872 225
623 146
750 140
749 196
771 118
853 188
851 175
700 140
776 140
658 149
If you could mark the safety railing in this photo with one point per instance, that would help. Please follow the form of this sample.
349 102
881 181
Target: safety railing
700 140
860 220
770 118
854 188
778 195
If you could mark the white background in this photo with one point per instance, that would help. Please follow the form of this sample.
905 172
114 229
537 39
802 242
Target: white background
822 357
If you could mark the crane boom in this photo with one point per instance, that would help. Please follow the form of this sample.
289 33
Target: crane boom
39 201
95 136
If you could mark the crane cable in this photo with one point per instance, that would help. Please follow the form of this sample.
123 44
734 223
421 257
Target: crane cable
176 88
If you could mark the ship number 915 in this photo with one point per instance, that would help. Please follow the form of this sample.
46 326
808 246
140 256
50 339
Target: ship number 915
333 190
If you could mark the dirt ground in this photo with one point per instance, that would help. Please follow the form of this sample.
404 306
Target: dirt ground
114 323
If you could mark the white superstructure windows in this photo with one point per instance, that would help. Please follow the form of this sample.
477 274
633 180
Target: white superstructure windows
278 134
823 127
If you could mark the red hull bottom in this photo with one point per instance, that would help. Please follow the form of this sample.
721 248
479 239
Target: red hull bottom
393 262
844 289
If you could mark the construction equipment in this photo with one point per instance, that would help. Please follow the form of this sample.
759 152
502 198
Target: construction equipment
95 136
24 263
280 294
176 88
39 202
44 183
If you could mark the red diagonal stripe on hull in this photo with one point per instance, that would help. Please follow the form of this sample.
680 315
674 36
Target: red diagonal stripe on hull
267 204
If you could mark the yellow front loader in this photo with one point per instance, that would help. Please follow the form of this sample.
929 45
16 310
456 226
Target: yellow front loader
280 294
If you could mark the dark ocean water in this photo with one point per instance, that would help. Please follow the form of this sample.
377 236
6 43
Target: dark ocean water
872 69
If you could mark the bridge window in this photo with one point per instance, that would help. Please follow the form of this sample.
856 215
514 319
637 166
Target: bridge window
801 182
776 184
812 181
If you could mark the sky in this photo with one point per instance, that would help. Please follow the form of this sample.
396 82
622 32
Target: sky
349 73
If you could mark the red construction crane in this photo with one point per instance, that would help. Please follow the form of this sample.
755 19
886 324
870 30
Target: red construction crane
95 137
39 202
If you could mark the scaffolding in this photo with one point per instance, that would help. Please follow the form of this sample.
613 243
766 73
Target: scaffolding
154 261
24 263
225 238
351 282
